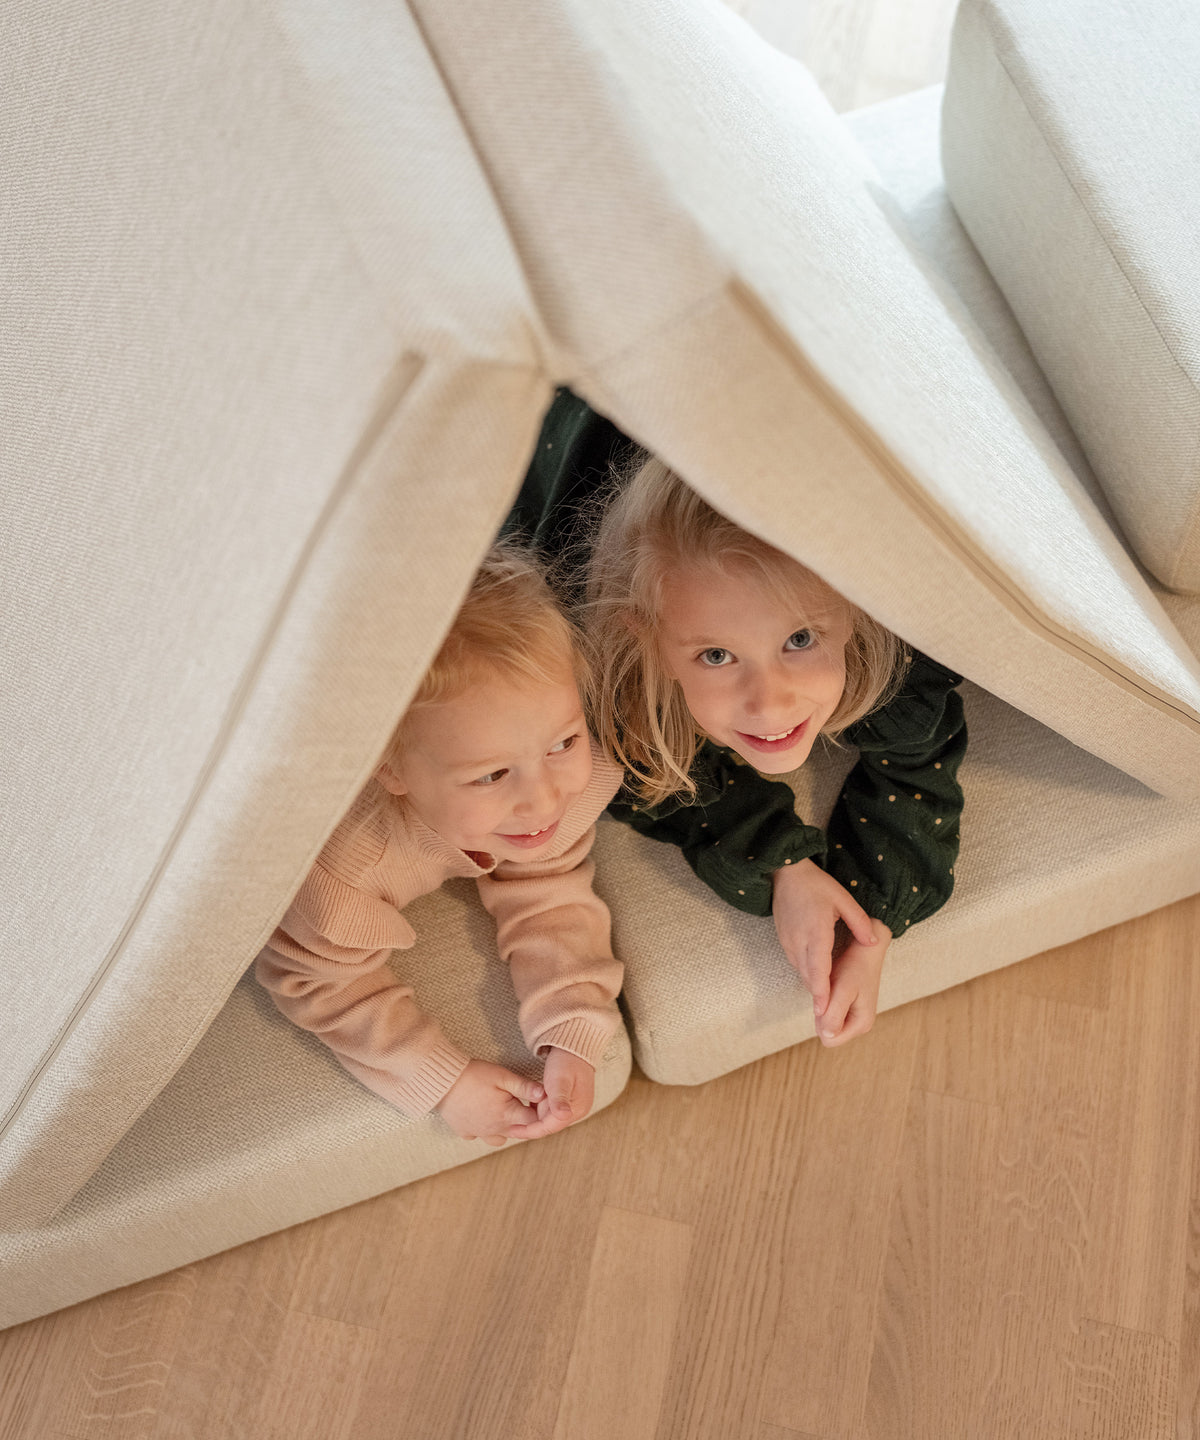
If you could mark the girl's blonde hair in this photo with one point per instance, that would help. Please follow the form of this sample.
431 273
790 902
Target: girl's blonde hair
509 623
656 523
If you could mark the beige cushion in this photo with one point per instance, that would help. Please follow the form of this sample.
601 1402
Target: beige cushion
1070 153
1056 844
708 248
272 377
261 1128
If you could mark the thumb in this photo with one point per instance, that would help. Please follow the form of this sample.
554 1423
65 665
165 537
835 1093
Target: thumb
857 920
560 1094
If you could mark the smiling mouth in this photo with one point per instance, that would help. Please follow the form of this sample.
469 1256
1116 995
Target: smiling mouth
784 740
529 837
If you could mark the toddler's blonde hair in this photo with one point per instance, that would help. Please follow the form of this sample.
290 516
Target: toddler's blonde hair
656 523
510 624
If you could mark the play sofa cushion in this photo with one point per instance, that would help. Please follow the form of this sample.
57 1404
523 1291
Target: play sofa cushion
1069 144
262 1128
715 262
272 376
1055 843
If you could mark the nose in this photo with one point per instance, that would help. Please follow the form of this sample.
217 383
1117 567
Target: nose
539 800
772 695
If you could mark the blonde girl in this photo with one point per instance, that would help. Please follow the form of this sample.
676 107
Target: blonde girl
722 662
491 774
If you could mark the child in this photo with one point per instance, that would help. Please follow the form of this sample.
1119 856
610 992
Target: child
492 774
723 661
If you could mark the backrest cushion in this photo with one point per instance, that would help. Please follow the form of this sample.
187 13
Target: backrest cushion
726 279
1069 146
270 378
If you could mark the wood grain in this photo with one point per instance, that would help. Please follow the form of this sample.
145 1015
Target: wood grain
626 1329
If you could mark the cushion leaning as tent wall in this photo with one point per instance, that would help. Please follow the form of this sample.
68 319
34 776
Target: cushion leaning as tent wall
277 380
707 247
1055 843
1070 149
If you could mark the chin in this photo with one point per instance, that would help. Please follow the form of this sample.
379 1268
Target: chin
781 763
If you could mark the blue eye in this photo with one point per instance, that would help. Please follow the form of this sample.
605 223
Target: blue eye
715 656
800 640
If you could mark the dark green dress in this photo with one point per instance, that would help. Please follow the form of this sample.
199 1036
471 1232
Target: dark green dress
893 838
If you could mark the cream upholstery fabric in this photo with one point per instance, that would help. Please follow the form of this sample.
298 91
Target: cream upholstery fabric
277 378
901 139
1056 844
1070 153
261 1128
706 245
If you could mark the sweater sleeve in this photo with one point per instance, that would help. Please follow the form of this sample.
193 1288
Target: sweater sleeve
326 969
553 930
741 828
894 832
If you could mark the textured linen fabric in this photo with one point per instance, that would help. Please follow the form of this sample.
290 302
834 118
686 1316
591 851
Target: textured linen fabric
272 375
261 1128
326 964
1055 845
902 139
712 259
1070 150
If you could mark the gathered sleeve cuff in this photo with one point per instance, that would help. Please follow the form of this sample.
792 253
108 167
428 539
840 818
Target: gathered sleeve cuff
741 828
894 834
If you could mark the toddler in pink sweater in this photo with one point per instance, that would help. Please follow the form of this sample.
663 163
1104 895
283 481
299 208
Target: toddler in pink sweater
491 774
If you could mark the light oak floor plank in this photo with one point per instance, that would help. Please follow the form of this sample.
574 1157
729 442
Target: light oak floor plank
626 1328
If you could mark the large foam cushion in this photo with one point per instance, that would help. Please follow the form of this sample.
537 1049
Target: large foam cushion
262 1128
1055 843
711 254
1070 150
270 378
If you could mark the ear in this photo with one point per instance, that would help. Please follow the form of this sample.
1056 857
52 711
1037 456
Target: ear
390 779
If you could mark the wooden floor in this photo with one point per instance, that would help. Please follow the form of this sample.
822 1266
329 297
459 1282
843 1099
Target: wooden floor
983 1220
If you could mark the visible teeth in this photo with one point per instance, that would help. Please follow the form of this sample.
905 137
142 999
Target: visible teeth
780 736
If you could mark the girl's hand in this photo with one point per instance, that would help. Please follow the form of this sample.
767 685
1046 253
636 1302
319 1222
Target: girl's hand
807 904
855 993
488 1102
570 1086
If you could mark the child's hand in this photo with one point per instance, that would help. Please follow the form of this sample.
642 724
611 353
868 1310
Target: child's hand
855 993
570 1085
491 1103
807 904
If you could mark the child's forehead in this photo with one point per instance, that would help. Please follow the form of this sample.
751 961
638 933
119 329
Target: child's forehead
705 585
495 714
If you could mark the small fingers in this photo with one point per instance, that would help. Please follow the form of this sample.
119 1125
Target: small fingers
831 1024
858 922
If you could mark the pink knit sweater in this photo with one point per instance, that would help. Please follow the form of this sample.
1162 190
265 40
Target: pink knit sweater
326 965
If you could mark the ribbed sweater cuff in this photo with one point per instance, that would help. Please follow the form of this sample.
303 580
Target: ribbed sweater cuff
439 1070
588 1038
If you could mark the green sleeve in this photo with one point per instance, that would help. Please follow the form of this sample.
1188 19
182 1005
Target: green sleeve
739 831
578 452
894 832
